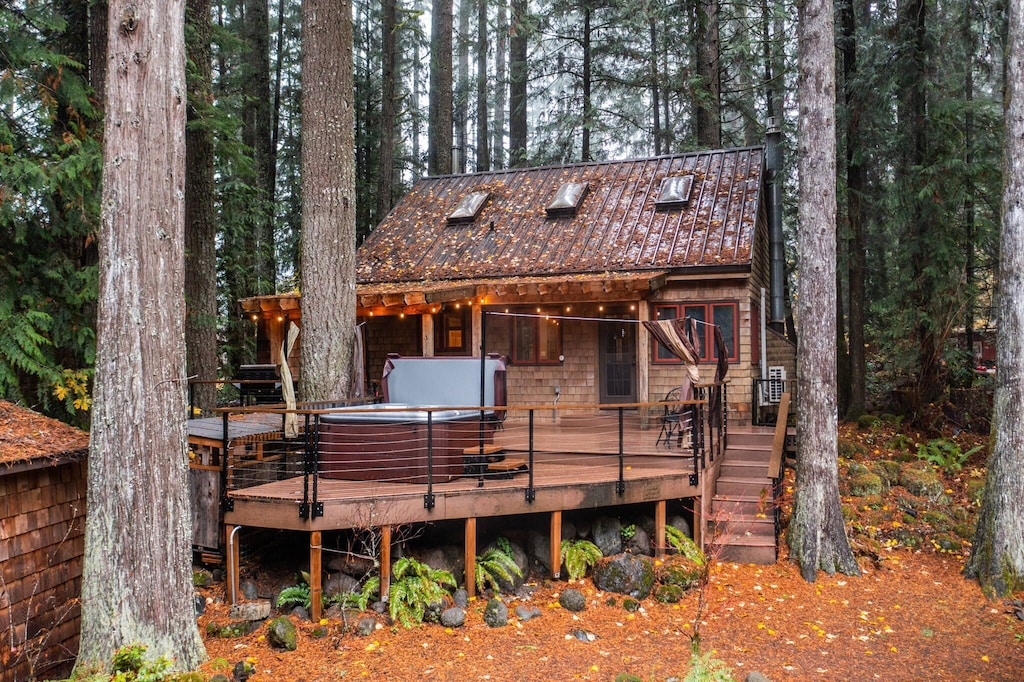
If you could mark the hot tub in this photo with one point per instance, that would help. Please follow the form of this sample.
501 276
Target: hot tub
392 442
398 443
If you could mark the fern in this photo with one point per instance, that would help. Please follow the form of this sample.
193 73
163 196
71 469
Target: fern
358 600
415 586
579 556
495 566
296 594
683 544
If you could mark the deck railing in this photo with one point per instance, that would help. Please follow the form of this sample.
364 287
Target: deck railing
428 447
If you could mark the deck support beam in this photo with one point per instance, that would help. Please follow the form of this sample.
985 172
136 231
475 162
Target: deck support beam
556 544
659 528
316 589
470 537
385 561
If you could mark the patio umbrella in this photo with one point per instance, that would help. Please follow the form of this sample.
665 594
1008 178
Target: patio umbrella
291 427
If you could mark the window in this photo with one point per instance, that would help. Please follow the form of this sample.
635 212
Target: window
722 314
674 192
537 340
469 208
452 329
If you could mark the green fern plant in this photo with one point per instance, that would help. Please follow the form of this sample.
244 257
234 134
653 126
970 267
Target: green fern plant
415 586
579 556
358 600
495 566
683 544
945 454
295 594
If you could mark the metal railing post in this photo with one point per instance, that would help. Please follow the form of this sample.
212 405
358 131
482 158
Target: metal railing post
531 493
428 499
620 486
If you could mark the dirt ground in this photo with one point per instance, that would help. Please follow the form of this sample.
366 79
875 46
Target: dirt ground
909 616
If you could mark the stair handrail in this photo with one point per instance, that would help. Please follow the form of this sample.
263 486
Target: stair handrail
779 442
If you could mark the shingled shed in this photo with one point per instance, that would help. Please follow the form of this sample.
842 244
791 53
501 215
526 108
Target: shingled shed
42 536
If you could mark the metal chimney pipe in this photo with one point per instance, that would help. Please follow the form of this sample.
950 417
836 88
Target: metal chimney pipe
777 249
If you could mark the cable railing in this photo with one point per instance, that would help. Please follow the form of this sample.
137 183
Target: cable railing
369 449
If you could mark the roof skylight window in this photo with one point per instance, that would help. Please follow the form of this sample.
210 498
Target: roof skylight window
469 208
675 192
567 200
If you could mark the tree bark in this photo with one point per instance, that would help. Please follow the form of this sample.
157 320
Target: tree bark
200 215
328 201
483 149
855 187
137 577
388 94
439 121
707 104
462 91
500 87
997 553
588 103
258 134
817 533
517 71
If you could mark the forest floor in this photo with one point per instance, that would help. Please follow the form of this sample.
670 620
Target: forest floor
910 615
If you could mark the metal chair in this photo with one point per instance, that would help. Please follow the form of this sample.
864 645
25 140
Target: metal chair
672 421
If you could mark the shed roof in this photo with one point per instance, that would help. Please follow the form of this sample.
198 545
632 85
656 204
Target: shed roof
26 435
617 228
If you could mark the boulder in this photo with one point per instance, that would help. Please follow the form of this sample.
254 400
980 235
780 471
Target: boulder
453 617
572 600
281 634
607 533
625 574
496 613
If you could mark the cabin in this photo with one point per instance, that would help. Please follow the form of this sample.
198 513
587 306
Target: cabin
554 268
42 538
559 279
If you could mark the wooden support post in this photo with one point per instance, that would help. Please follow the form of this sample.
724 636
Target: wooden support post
698 519
471 557
659 528
316 589
427 334
643 363
385 560
556 544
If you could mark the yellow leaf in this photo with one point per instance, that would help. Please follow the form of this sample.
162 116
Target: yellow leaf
985 658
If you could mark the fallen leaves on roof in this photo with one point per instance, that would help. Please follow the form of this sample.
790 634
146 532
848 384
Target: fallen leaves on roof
26 435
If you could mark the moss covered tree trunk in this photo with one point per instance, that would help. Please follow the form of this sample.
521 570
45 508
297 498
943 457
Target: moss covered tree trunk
817 534
137 578
997 555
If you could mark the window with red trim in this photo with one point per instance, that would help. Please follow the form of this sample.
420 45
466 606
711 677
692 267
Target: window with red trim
537 340
725 314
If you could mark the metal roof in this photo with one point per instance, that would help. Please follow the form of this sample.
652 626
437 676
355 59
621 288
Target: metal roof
616 229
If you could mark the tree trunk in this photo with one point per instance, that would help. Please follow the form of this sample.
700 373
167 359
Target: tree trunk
855 187
258 134
483 150
98 49
588 105
500 87
388 94
439 134
817 534
652 28
200 216
707 105
997 553
517 72
328 201
970 223
137 576
462 92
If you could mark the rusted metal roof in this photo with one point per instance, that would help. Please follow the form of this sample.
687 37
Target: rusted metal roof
617 228
27 436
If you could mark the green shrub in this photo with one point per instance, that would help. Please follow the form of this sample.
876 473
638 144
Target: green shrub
495 566
415 586
579 556
945 454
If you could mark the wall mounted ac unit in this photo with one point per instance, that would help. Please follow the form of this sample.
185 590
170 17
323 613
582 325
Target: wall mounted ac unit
776 385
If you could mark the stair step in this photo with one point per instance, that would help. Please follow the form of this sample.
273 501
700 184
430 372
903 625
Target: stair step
740 505
748 452
743 469
743 487
760 553
751 437
727 528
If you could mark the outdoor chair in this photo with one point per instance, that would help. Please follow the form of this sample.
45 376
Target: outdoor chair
675 421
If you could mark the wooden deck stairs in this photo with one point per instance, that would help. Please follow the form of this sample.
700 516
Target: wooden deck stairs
742 525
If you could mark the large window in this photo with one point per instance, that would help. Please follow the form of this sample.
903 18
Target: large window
724 315
537 340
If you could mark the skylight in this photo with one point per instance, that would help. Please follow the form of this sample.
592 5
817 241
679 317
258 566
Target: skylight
675 192
469 208
567 200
